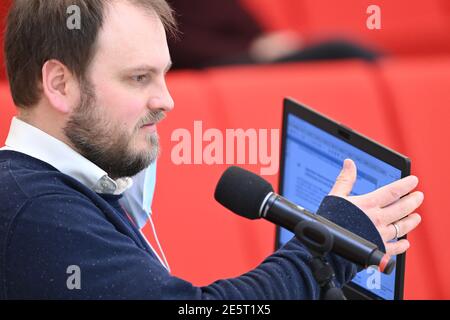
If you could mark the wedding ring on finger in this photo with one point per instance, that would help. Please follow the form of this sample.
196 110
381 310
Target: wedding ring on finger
397 230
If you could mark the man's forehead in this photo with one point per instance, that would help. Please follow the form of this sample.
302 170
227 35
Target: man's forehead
133 36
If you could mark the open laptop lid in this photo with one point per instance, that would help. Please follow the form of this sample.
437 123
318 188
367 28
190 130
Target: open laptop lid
312 152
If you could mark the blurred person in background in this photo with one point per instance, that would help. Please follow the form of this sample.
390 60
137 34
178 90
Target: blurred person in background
223 32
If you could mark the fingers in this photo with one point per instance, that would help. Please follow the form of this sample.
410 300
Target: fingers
405 226
346 179
398 247
403 207
394 191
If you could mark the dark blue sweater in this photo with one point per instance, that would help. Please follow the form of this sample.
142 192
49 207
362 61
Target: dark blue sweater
49 221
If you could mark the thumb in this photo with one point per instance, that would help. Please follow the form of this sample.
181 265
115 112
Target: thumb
345 181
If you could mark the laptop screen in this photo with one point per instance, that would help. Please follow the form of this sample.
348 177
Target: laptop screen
313 159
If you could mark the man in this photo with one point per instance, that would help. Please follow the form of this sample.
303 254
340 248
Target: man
89 100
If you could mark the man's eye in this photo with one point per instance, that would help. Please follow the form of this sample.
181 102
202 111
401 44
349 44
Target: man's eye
140 78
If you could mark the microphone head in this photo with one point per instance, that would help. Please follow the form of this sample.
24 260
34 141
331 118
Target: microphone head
242 192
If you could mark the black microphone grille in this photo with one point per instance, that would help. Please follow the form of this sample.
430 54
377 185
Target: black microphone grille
242 192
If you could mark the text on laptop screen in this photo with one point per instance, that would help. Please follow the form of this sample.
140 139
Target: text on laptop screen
313 160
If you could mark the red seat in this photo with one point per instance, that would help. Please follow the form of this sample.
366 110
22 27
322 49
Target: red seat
407 27
4 6
420 99
202 240
345 91
412 27
7 111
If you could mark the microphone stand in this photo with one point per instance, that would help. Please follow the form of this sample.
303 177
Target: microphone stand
321 269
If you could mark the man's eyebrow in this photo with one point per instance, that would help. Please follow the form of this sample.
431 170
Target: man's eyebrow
148 68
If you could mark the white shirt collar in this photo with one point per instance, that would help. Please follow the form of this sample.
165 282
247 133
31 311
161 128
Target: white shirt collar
34 142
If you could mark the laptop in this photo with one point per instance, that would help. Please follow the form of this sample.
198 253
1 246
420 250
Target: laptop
313 149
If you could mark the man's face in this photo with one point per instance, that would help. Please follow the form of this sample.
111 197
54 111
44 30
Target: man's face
124 93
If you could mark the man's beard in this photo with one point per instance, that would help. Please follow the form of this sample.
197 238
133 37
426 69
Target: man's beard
109 146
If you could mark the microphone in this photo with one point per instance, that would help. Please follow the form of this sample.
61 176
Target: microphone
252 197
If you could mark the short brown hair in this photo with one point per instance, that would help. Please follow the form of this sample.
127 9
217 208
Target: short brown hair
36 31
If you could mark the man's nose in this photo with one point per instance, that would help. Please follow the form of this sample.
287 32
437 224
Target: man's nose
163 101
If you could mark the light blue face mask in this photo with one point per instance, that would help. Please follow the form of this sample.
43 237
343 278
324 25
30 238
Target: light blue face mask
138 202
138 199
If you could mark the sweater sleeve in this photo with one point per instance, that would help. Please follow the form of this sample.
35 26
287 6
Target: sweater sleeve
286 273
52 234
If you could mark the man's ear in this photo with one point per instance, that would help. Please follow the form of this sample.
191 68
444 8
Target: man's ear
60 86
